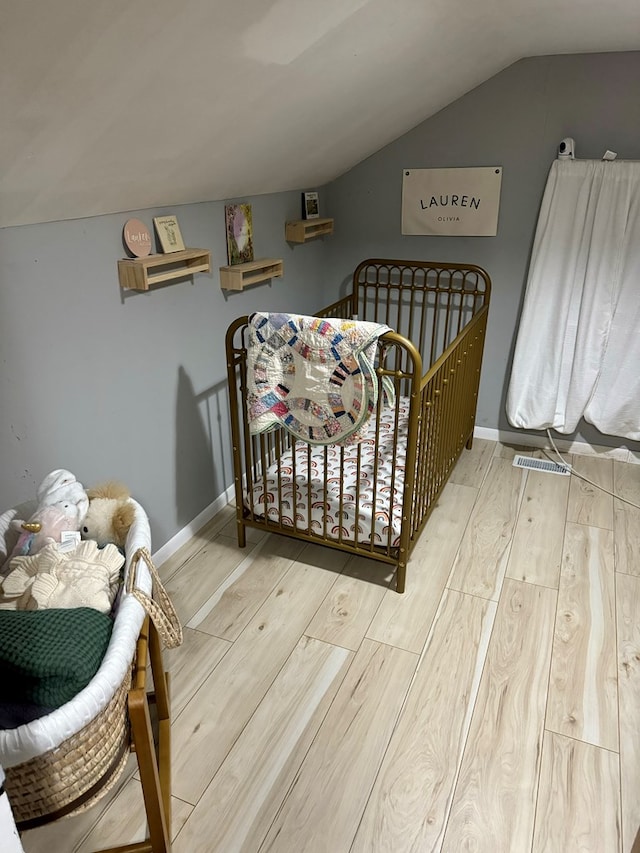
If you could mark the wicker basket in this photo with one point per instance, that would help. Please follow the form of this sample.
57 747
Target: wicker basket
76 774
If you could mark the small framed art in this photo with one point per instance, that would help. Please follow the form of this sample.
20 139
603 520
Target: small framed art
239 233
169 234
310 207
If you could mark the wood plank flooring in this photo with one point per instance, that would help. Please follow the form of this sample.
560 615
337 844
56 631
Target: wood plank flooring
495 706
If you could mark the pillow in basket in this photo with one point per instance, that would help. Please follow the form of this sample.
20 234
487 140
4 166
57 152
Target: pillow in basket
48 656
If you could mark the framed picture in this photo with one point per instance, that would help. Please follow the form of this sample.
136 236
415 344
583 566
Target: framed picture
239 233
169 234
310 208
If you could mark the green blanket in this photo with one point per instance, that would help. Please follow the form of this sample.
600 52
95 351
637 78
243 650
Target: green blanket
48 656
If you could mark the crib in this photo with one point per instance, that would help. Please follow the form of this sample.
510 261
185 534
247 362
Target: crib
373 498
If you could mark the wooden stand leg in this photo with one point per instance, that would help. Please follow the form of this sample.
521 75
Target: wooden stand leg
154 755
149 773
161 686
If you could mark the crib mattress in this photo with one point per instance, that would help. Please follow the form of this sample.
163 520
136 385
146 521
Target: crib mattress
378 512
48 732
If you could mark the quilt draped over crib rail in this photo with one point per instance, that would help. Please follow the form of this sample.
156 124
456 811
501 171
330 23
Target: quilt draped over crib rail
316 377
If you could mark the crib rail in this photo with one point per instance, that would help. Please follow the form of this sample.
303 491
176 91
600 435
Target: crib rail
343 309
448 399
428 303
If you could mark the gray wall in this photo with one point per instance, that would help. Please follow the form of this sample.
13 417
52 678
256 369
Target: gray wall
516 120
130 386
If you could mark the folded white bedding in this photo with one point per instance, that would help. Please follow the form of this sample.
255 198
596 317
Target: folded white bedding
88 576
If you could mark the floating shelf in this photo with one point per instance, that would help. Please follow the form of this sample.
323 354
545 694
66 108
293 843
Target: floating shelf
141 273
301 230
238 276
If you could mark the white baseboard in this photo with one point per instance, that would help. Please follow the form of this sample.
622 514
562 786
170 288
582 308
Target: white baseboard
583 448
182 536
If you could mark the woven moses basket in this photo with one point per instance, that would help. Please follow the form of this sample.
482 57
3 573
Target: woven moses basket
64 762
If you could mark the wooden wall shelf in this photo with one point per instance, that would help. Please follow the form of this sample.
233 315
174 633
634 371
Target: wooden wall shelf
238 276
301 230
141 273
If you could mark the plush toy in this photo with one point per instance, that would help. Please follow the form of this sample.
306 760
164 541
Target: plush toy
60 488
62 505
45 526
110 515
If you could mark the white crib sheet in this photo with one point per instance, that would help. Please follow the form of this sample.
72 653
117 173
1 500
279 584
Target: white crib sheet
386 514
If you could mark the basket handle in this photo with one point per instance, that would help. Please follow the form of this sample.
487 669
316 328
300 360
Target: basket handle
159 606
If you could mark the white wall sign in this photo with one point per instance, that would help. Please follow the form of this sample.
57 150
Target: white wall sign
456 202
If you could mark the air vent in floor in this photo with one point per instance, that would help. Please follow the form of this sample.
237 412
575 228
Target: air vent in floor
543 465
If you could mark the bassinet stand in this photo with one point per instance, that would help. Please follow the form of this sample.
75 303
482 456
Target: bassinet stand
152 748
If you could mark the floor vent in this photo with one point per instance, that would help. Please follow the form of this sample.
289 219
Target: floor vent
543 465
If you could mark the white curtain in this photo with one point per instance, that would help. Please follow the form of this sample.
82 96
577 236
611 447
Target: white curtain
578 348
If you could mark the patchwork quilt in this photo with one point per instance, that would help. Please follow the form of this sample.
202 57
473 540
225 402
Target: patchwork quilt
314 377
306 499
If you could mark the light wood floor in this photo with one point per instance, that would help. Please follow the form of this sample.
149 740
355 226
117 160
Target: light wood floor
495 706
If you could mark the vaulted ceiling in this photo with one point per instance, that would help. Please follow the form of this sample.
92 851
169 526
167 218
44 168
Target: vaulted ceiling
115 105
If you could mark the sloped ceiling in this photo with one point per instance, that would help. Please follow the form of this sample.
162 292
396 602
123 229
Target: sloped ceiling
115 105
